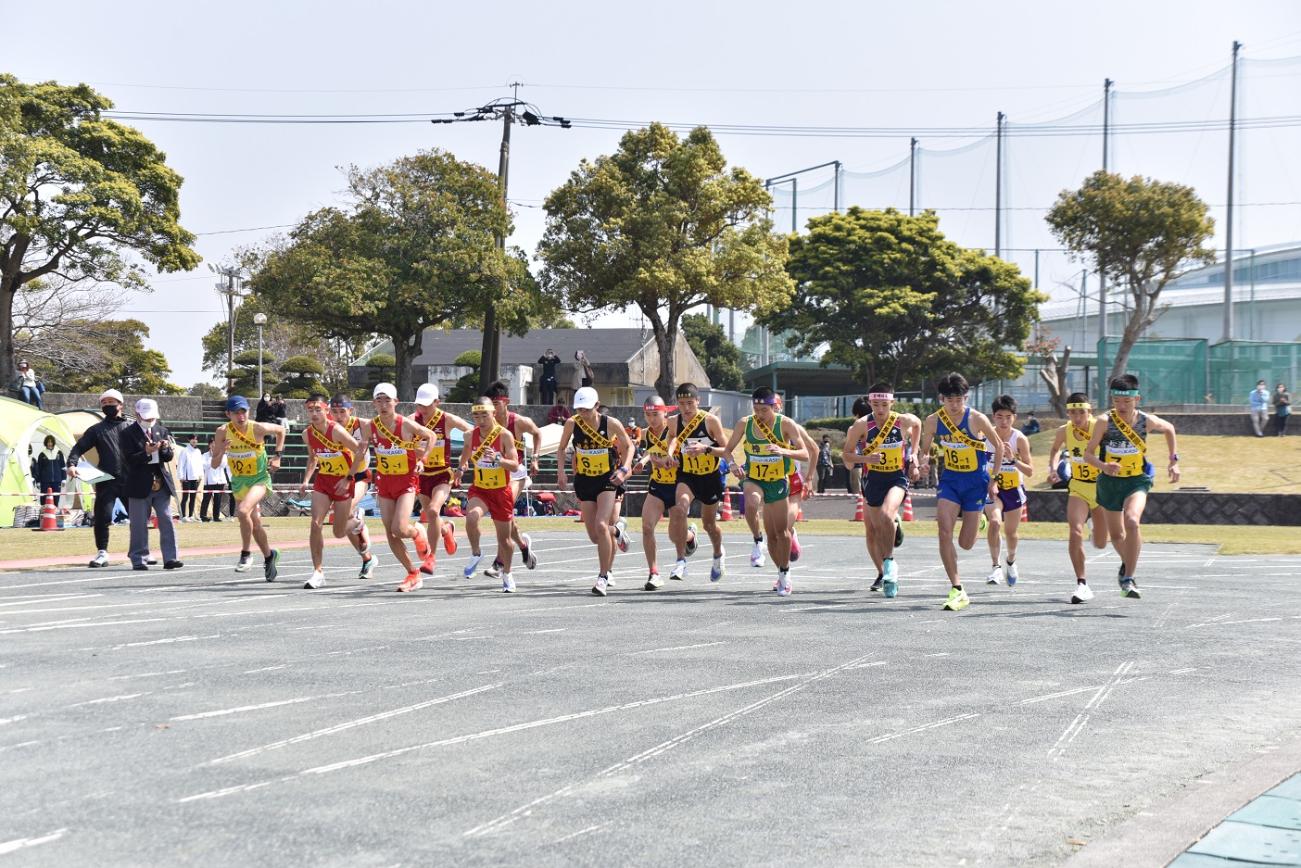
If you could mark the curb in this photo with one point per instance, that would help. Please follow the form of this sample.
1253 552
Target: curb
80 560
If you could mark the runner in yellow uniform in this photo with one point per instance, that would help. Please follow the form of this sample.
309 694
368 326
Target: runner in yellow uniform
661 498
241 442
1071 440
696 439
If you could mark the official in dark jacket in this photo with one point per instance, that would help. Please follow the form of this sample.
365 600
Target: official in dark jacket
105 438
147 447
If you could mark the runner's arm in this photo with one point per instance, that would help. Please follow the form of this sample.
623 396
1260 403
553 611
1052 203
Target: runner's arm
1171 441
802 452
350 443
531 429
426 436
457 422
1091 451
928 434
561 447
1055 453
622 445
262 429
849 455
218 448
715 429
507 456
1024 459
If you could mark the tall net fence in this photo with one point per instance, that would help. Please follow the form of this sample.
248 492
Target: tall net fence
1236 367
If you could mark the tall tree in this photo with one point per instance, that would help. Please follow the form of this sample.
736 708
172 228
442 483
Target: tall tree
664 226
82 197
892 298
1139 233
720 357
414 248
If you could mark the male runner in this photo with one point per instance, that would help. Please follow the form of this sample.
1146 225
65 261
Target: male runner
661 497
1122 489
335 459
241 442
599 443
696 438
436 474
965 437
518 427
888 439
358 429
401 448
490 451
772 443
1004 511
1082 490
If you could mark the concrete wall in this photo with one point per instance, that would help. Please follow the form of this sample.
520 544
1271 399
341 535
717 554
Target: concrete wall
169 406
1190 507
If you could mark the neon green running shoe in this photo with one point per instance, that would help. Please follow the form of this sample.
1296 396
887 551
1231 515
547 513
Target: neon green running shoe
984 523
958 599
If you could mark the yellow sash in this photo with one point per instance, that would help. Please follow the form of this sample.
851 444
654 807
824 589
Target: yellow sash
1077 441
697 465
245 461
761 465
436 462
893 455
488 474
393 460
1131 463
959 449
596 438
660 447
331 460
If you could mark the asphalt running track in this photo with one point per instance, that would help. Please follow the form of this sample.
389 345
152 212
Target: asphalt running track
207 717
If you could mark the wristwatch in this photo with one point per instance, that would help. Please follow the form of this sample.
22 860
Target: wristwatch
1174 457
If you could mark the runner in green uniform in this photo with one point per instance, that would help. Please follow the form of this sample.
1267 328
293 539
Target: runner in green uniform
241 442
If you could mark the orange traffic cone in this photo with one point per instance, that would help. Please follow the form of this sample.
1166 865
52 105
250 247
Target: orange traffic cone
858 511
1025 512
49 516
726 514
799 512
907 507
153 520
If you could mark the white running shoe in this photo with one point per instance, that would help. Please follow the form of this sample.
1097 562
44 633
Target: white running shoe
530 559
717 570
494 571
100 559
508 584
1012 575
783 584
995 576
653 582
609 579
756 555
1083 593
621 536
244 563
317 580
472 565
602 582
691 540
679 571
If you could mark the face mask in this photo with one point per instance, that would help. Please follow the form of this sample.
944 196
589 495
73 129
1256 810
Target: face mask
110 411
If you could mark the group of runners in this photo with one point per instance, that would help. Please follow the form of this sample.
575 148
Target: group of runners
985 460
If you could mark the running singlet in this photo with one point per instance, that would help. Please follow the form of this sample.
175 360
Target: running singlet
436 463
1125 445
354 428
1009 475
246 454
488 472
511 420
393 455
760 464
659 447
1077 443
962 452
593 450
890 445
331 458
696 432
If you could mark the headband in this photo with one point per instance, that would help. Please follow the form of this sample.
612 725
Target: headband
1079 405
482 408
771 400
880 396
1124 393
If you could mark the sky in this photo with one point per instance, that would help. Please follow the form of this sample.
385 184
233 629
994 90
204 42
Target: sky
908 66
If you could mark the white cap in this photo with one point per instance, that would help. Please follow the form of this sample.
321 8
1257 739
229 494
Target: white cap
114 394
386 389
426 394
585 398
147 409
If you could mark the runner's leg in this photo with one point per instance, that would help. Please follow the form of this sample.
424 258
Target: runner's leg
391 513
316 536
652 509
946 517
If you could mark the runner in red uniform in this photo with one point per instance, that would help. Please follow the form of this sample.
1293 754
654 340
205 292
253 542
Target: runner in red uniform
491 453
436 476
401 446
334 457
359 430
518 427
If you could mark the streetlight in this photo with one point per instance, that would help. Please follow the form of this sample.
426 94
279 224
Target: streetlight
259 319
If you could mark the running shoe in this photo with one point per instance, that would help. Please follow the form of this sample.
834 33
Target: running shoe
368 568
783 584
507 583
984 523
958 599
995 576
756 555
795 547
100 560
653 581
244 563
879 583
356 521
891 578
1012 575
1083 593
530 559
449 537
1129 588
609 579
898 532
494 571
679 571
717 570
412 582
602 582
423 551
472 565
270 564
620 537
317 580
691 540
428 562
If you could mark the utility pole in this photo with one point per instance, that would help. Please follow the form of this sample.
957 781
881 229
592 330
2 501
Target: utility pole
1228 220
1102 265
231 291
912 175
998 187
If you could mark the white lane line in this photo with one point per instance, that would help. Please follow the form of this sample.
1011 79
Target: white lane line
881 739
573 835
21 843
266 669
146 675
1075 728
107 699
1059 694
81 624
20 744
168 641
475 736
868 665
539 632
16 690
203 715
33 599
14 719
674 648
1103 692
351 724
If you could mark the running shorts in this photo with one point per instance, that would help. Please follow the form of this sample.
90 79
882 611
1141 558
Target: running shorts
591 487
326 485
430 481
1085 491
772 491
968 490
666 492
796 482
1113 491
876 485
393 487
500 503
1013 499
706 488
240 485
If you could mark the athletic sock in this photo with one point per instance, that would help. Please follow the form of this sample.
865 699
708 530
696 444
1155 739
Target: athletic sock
758 540
957 587
244 554
880 575
1080 582
1010 560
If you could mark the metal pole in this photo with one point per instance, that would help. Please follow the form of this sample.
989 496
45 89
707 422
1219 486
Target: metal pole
1228 224
259 361
230 330
998 187
912 175
490 352
795 204
1102 269
835 191
1036 268
1252 331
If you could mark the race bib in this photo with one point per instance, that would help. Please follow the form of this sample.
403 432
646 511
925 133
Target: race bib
1009 480
892 454
392 461
766 468
1128 456
959 456
489 475
332 464
1082 470
436 458
593 462
242 463
699 464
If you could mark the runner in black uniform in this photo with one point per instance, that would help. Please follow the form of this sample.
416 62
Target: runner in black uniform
697 438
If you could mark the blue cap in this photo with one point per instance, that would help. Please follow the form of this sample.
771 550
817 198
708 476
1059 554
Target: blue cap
236 402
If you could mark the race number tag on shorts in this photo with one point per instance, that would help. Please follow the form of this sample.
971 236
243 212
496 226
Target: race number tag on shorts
892 458
593 462
1008 480
702 463
488 474
242 463
766 468
1129 458
332 464
958 456
392 461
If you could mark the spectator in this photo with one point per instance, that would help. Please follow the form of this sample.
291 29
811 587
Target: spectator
190 466
265 412
1260 408
147 450
28 387
825 465
216 485
1282 408
106 439
583 375
278 410
1031 426
49 468
548 384
558 415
